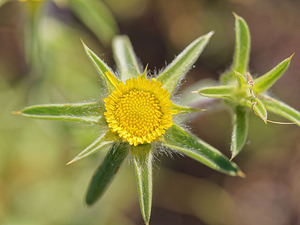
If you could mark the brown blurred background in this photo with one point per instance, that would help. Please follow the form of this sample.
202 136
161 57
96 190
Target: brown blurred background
42 61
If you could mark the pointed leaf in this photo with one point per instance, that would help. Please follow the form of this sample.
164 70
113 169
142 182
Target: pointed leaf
258 108
242 45
144 75
175 71
241 79
97 17
142 158
102 69
190 97
265 81
240 130
112 79
242 50
107 170
101 143
182 141
222 91
91 112
125 58
282 109
184 109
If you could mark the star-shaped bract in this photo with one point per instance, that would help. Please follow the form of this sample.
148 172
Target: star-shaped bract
241 92
134 94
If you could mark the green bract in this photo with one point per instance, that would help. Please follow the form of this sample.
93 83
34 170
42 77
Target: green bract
241 92
175 137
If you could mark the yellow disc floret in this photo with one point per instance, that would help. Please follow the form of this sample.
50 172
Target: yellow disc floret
139 110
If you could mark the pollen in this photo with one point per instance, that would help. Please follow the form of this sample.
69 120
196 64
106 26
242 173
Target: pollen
139 110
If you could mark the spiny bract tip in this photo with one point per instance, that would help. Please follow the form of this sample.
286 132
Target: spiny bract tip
241 174
72 161
16 112
235 15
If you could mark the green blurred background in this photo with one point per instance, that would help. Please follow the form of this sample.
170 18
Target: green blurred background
43 61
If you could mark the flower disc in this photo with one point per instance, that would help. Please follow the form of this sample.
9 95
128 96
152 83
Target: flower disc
139 110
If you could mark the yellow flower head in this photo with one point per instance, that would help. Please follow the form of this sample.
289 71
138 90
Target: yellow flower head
139 110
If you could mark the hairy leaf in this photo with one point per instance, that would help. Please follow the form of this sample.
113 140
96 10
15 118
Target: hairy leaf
224 91
242 45
142 158
125 58
282 109
258 108
184 109
175 71
99 144
265 81
107 170
103 69
240 130
242 51
182 141
91 112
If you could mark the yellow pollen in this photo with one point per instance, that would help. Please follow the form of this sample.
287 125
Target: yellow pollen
139 110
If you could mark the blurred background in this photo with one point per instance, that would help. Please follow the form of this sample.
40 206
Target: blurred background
42 61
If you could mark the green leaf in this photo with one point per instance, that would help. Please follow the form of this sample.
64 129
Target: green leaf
190 97
258 108
125 58
101 143
222 91
241 79
175 71
242 45
97 17
91 112
107 170
182 141
242 50
184 109
103 70
282 109
142 158
265 81
240 130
